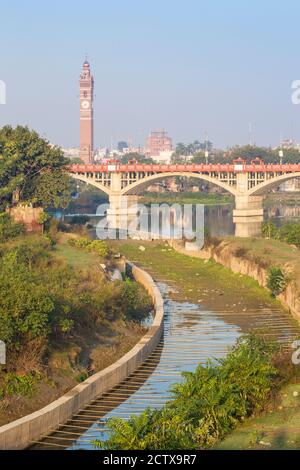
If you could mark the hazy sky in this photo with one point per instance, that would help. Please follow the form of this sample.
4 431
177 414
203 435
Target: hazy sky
189 66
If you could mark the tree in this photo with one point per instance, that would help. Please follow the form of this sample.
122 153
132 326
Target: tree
136 156
250 152
192 148
122 145
31 170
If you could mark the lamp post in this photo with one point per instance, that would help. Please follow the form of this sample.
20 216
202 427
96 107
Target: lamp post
206 156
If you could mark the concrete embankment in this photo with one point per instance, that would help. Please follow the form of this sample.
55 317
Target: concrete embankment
21 433
224 254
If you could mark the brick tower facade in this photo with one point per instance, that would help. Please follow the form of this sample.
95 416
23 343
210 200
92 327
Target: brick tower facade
86 84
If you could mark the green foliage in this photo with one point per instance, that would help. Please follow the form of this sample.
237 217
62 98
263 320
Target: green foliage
25 304
209 403
136 156
81 377
99 247
269 229
192 149
42 297
15 384
136 302
31 170
276 281
8 228
289 233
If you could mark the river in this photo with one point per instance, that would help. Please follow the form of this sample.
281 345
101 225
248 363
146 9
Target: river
218 219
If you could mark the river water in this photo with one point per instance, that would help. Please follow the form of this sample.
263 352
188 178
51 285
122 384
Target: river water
218 219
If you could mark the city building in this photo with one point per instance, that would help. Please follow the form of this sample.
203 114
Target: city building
71 153
157 142
86 86
163 157
101 154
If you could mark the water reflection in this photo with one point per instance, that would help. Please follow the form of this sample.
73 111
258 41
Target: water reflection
219 219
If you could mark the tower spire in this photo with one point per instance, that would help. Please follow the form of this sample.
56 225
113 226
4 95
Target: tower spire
86 85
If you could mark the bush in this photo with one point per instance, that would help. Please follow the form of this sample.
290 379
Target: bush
269 229
209 403
276 281
15 384
99 247
136 302
8 228
290 233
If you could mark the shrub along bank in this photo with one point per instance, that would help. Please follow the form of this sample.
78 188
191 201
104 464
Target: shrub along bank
207 405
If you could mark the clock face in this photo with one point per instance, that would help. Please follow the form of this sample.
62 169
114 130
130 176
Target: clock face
85 104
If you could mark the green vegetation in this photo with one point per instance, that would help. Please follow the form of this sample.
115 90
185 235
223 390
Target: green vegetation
276 280
31 170
45 306
289 233
96 246
9 229
42 297
21 385
275 429
207 405
246 152
187 198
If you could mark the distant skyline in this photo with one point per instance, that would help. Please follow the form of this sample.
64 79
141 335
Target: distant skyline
189 67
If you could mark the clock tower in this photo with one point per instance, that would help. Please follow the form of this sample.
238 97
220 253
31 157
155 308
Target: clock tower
86 84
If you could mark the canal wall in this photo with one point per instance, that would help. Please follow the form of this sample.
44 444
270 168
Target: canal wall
224 255
21 433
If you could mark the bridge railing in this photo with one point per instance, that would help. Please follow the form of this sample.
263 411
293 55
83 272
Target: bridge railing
186 168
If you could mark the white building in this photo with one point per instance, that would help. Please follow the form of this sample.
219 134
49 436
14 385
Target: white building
163 157
72 152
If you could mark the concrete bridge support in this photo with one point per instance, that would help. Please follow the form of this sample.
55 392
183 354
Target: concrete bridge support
120 209
248 215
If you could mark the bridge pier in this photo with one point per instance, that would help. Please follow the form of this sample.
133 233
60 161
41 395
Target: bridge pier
248 215
120 209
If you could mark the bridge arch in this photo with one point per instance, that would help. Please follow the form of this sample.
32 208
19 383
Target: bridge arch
92 182
143 182
261 188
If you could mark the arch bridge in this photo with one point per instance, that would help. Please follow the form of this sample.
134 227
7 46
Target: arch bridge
248 183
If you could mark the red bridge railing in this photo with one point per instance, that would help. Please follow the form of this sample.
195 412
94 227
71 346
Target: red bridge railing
236 167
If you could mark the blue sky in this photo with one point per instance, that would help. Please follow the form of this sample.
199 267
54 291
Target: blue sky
188 66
